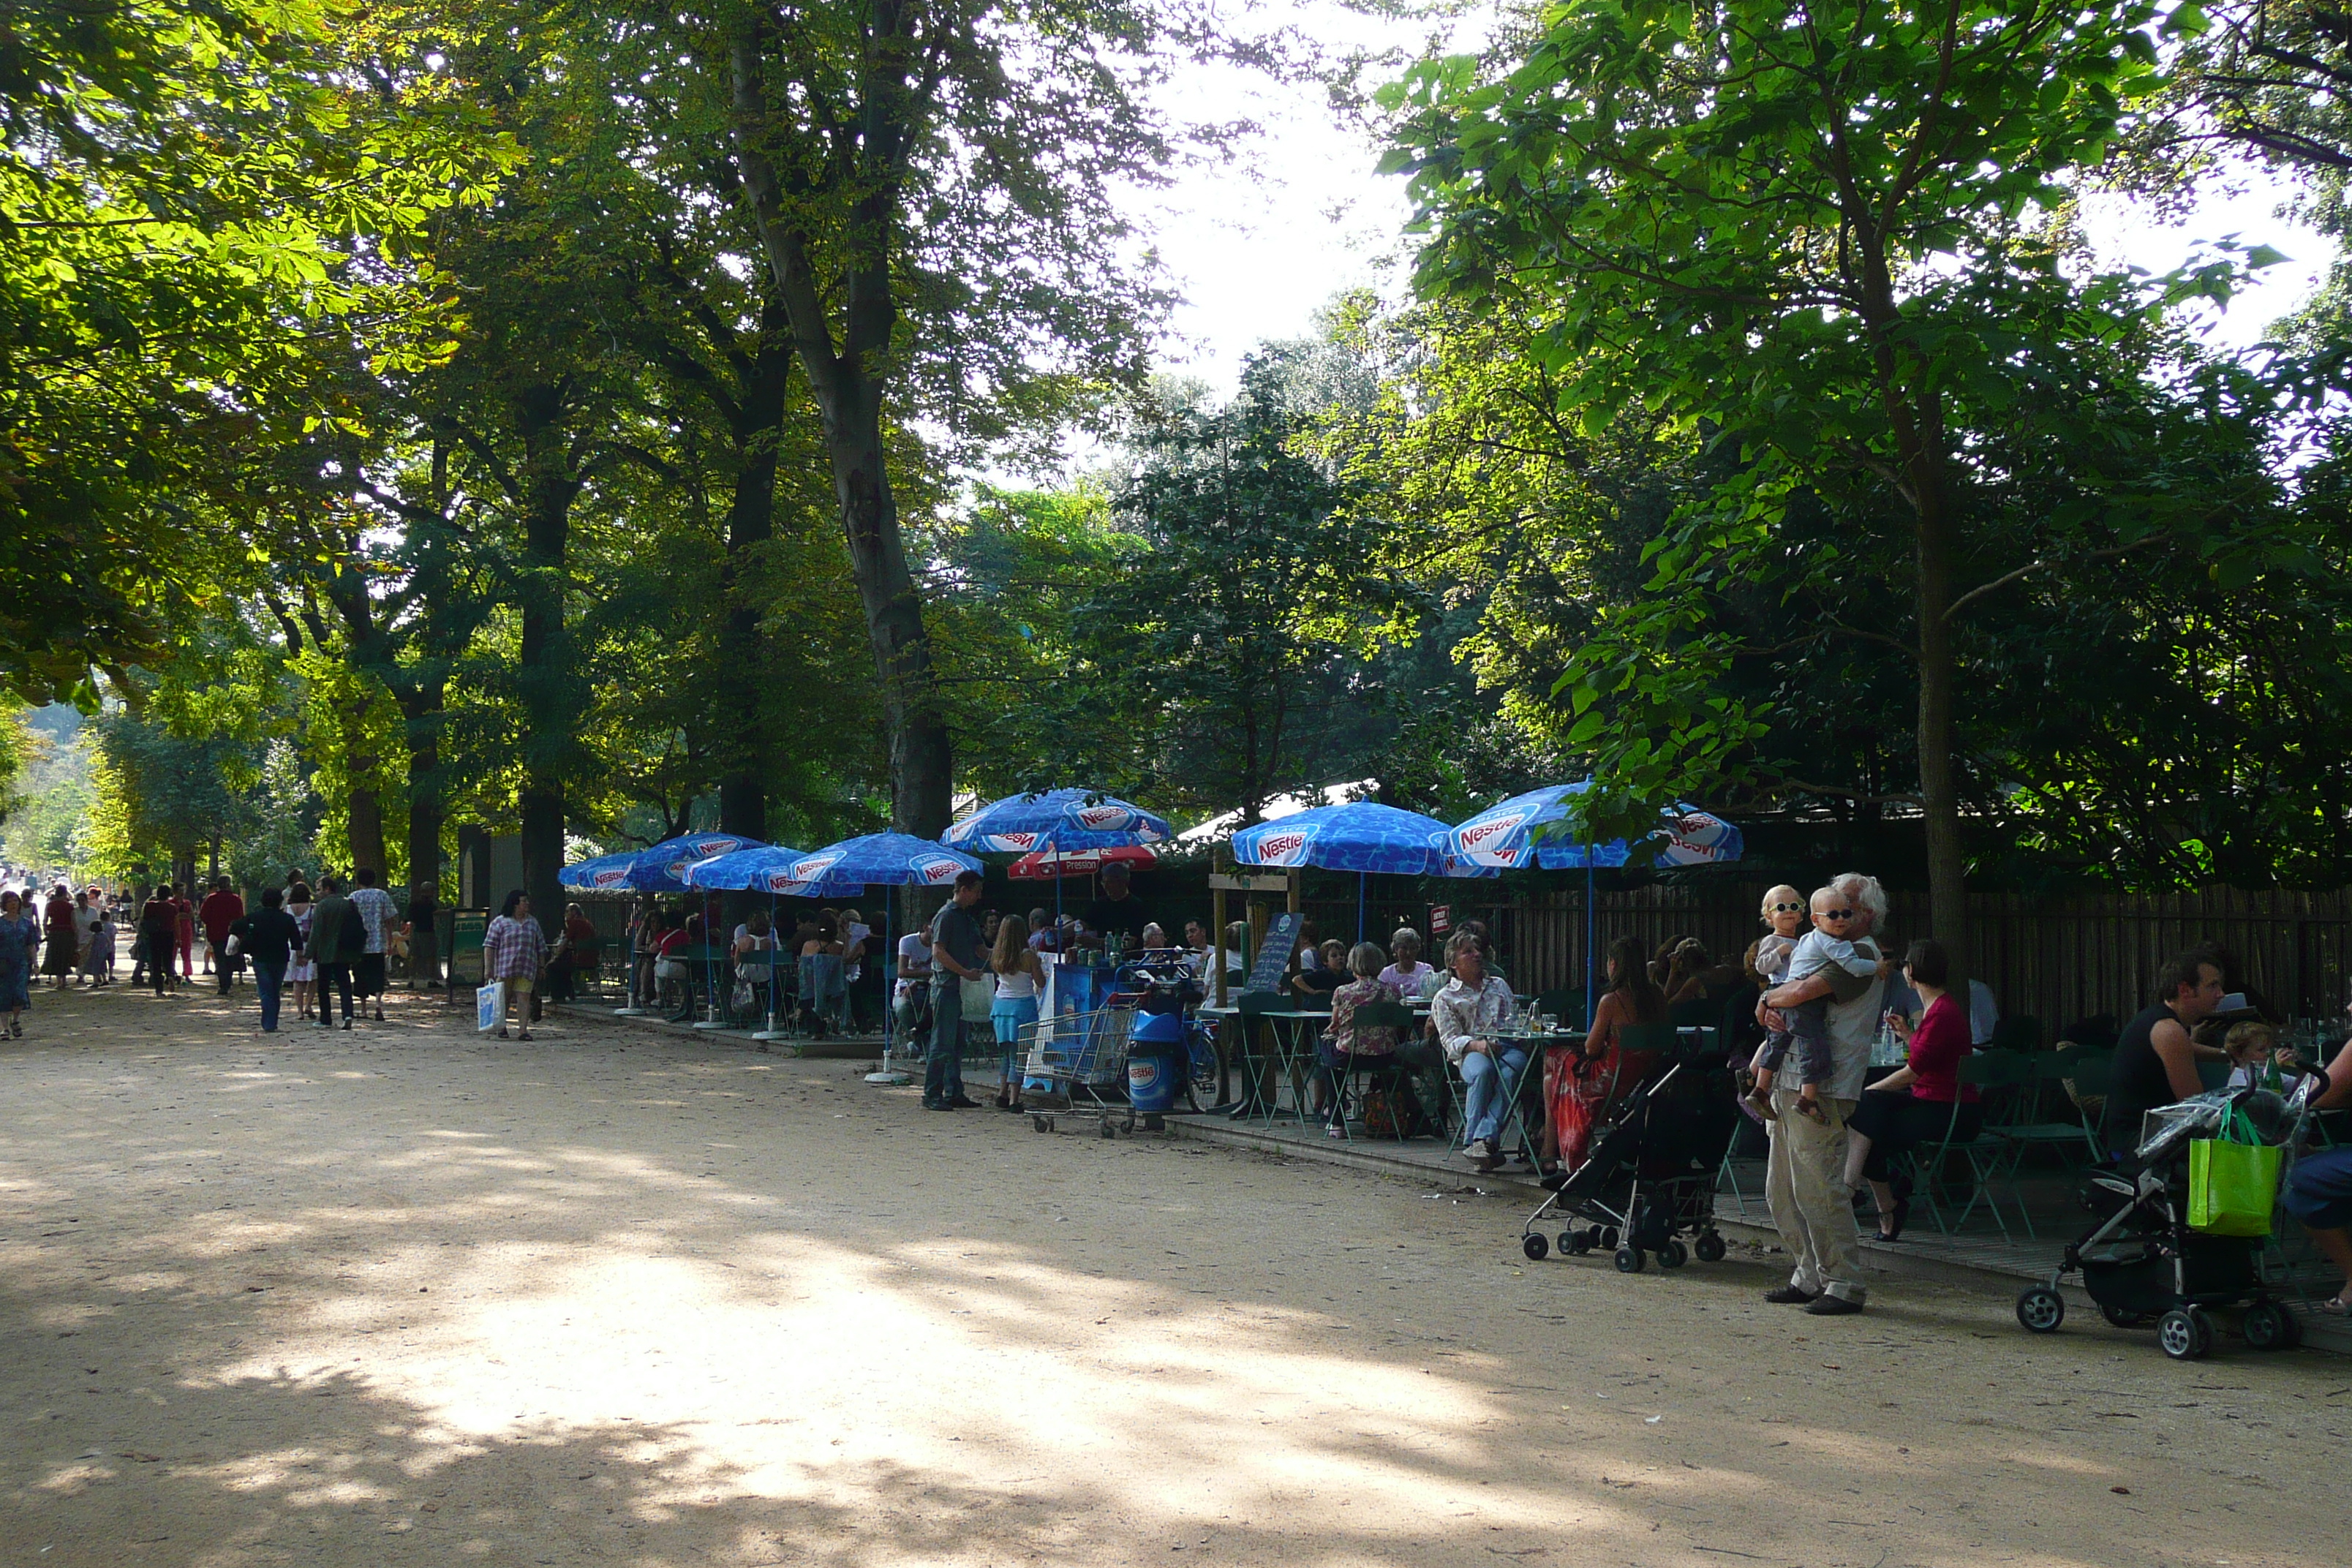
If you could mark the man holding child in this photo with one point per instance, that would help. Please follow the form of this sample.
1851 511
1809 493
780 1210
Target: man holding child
1804 1180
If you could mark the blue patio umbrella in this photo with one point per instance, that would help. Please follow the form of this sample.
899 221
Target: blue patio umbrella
764 869
659 870
1531 829
1362 837
1056 819
605 873
662 869
887 860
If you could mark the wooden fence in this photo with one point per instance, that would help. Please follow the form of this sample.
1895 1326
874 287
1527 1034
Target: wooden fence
2055 959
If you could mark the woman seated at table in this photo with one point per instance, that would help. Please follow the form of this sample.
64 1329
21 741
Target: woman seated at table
1406 972
754 939
675 967
1343 1045
1921 1101
1473 1006
1582 1078
820 956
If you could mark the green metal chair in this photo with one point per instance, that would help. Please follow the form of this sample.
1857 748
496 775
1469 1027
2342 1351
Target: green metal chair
1378 1016
1983 1155
1261 1055
2019 1122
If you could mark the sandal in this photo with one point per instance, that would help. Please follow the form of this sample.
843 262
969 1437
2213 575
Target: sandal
2335 1306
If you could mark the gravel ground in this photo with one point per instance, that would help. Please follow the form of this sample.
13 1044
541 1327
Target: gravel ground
408 1296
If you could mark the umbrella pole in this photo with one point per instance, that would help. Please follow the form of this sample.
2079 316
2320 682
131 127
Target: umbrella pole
1360 909
1592 1003
775 935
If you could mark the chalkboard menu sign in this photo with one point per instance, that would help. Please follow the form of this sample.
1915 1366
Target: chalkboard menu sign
1274 955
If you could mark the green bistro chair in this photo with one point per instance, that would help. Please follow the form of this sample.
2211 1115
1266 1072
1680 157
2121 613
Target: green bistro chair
2019 1122
1259 1053
1984 1155
1379 1071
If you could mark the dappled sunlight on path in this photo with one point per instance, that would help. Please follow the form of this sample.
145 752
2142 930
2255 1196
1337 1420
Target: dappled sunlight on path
405 1296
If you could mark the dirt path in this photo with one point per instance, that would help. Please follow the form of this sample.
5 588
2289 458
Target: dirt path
405 1296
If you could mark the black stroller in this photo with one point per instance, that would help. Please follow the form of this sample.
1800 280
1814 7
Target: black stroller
2142 1264
1649 1179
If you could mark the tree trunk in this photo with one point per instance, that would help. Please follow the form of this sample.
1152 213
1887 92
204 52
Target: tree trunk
1947 906
921 752
366 814
741 720
421 705
547 682
846 369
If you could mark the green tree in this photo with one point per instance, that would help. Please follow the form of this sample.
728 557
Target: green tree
1814 232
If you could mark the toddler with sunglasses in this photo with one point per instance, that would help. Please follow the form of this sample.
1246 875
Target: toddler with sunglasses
1808 1023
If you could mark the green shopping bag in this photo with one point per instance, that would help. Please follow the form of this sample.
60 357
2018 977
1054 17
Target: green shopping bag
2233 1181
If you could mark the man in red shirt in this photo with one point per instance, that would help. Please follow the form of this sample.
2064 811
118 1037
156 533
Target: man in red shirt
221 909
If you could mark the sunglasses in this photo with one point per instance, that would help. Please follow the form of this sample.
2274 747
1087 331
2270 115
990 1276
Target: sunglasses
1837 914
1788 909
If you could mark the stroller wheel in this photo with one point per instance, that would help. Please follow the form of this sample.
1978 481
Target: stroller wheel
2124 1318
1606 1236
1041 1123
1536 1247
2039 1309
1708 1248
2184 1333
1673 1255
1575 1243
1628 1259
2267 1326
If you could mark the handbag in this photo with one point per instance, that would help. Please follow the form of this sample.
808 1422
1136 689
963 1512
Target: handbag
2232 1179
979 998
490 1007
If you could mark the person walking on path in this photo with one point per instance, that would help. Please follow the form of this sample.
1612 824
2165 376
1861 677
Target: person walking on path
1804 1176
377 913
301 974
514 950
221 909
101 959
425 937
20 937
957 954
269 938
337 938
58 960
183 934
159 927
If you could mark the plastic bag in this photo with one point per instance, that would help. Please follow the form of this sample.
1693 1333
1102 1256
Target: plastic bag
2233 1181
490 1006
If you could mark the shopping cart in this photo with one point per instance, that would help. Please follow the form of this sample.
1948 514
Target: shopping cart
1144 1034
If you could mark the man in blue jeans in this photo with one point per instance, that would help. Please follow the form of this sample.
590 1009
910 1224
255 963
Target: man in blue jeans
2319 1193
268 937
957 955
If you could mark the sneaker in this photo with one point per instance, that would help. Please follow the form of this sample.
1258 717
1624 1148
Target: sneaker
1790 1295
1832 1306
1479 1151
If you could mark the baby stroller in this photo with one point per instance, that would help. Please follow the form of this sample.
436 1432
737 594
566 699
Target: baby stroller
1650 1177
2143 1263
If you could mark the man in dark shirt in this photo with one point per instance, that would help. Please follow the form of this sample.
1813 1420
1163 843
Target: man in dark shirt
1118 911
336 939
2155 1061
957 954
268 936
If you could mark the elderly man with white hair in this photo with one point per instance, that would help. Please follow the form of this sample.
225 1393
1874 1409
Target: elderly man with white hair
1804 1180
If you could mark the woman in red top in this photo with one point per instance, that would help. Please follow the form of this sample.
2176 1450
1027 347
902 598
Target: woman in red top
1923 1102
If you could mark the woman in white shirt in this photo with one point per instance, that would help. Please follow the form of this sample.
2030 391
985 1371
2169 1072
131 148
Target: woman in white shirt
1019 972
1473 1005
